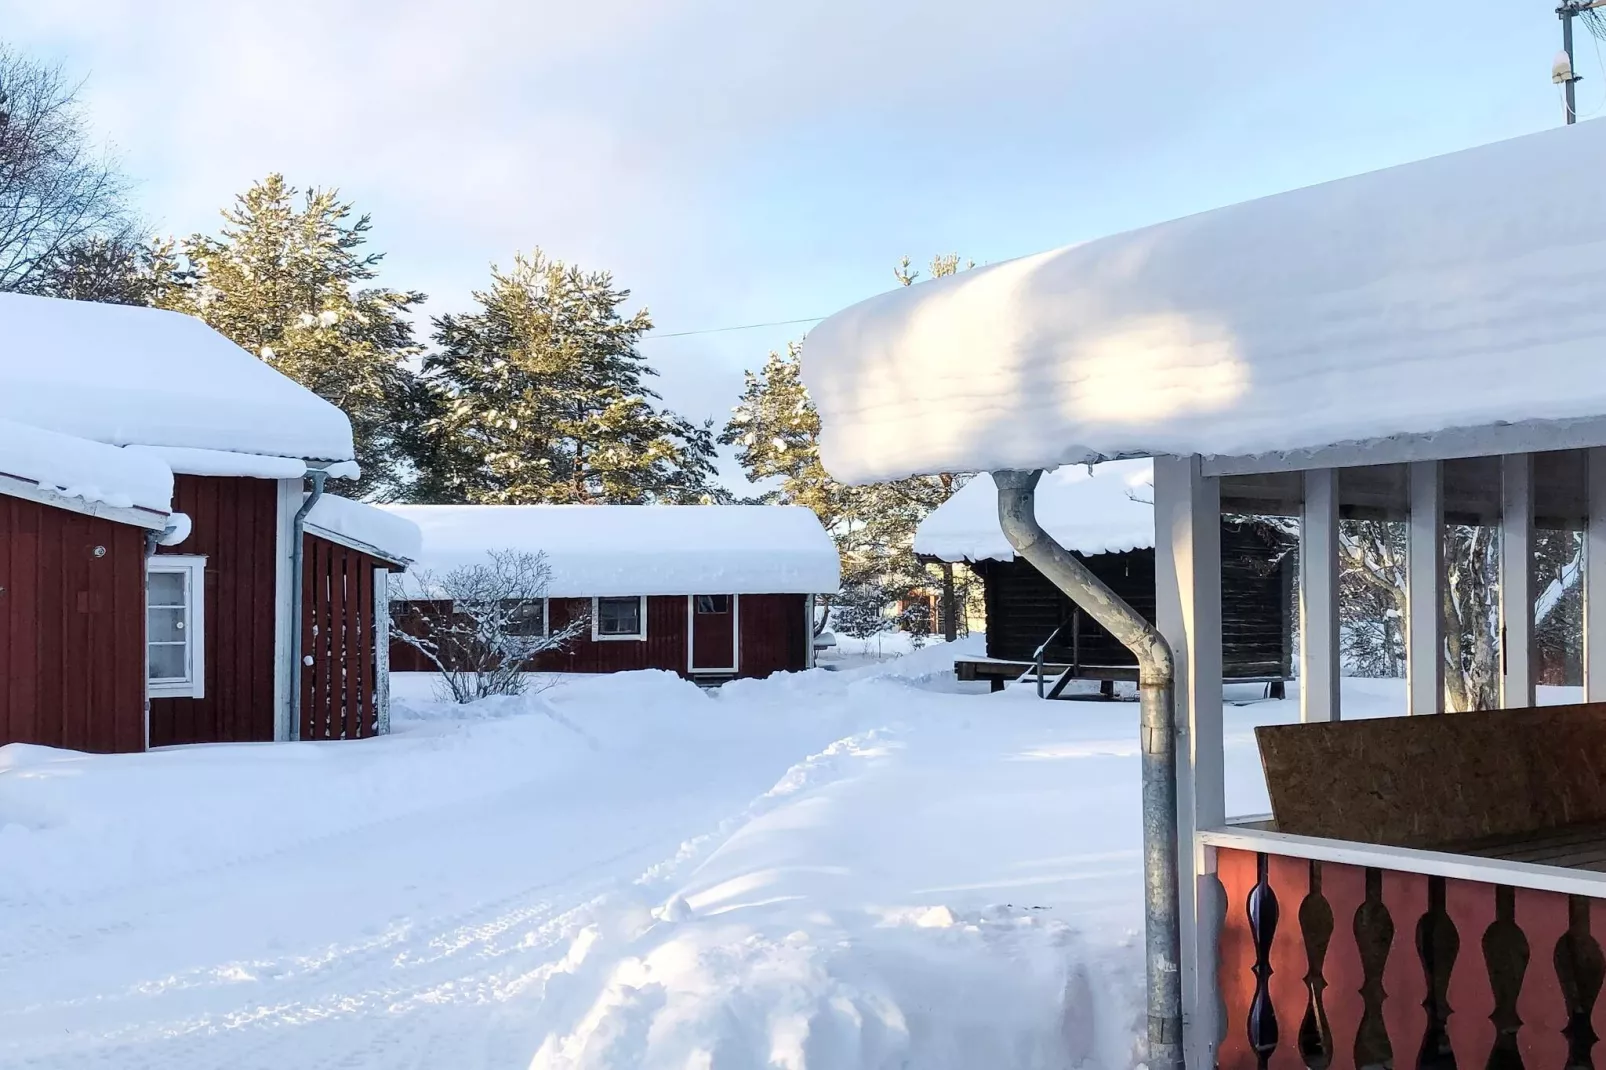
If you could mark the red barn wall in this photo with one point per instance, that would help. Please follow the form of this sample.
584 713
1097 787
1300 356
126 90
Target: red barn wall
72 629
235 524
775 633
774 638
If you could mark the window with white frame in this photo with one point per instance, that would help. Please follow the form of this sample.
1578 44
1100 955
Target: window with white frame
619 618
175 626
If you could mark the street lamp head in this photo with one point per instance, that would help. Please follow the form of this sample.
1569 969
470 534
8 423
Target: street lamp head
1561 69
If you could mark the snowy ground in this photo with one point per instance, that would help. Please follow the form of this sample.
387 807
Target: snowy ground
842 869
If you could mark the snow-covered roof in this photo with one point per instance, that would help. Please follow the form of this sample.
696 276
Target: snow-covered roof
365 527
76 468
185 460
1458 292
605 550
123 375
1103 511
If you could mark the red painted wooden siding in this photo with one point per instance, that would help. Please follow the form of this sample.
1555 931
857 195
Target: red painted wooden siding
338 693
72 629
235 522
775 634
774 637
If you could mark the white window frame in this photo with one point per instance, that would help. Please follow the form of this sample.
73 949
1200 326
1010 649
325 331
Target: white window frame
641 620
193 568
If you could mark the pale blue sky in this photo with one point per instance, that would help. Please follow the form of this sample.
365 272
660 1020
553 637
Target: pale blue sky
736 163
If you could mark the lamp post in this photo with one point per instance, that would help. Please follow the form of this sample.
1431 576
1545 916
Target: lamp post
1561 71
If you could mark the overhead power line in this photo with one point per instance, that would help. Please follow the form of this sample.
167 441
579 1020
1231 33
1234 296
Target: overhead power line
724 330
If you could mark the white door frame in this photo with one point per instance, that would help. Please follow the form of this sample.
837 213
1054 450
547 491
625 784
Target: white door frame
692 667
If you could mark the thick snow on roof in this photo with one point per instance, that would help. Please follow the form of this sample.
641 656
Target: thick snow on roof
602 550
1106 511
1456 292
77 468
365 527
124 375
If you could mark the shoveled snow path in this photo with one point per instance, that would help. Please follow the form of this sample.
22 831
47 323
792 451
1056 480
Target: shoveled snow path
392 943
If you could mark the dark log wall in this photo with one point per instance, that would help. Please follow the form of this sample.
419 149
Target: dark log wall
774 638
235 523
1024 608
72 629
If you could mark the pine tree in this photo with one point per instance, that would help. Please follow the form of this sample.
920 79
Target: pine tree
541 396
286 282
776 429
112 270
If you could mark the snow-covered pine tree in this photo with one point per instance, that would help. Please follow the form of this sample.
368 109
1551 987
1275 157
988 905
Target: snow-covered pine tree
287 282
540 396
776 429
116 270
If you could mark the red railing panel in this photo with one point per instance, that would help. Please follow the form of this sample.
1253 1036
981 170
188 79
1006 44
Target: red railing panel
1471 907
1344 888
1289 879
1236 978
1542 1005
1405 980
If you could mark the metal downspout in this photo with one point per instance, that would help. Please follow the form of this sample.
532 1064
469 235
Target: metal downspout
298 594
1017 493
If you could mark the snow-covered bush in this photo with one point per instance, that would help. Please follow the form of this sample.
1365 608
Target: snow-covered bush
484 624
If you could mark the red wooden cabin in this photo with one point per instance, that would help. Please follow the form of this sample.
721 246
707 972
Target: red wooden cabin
707 591
149 585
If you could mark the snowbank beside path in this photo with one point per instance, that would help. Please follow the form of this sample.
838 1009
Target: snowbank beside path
855 869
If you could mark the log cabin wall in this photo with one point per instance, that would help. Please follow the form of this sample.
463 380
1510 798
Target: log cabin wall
235 523
72 629
1024 608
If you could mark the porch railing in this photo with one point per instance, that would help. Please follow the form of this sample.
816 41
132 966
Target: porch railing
1330 963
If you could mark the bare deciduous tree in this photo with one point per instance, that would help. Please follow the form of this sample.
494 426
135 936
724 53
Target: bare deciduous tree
483 625
57 190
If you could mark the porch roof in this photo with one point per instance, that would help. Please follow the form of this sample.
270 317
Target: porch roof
1459 292
1109 509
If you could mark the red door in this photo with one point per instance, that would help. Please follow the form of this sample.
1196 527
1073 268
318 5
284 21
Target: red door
713 633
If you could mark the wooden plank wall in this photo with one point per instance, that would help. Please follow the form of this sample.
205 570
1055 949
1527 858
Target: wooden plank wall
234 523
1024 607
339 692
775 634
72 629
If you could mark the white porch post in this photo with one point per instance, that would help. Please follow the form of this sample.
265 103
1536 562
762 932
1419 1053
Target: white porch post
1516 581
1424 633
1187 529
1318 598
1595 581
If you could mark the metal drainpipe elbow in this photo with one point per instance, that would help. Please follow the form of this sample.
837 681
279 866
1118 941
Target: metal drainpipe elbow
1017 515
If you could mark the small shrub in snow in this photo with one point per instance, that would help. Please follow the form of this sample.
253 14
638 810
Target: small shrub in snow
485 624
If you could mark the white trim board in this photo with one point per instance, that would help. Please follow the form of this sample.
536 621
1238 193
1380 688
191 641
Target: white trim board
1409 860
28 490
1535 436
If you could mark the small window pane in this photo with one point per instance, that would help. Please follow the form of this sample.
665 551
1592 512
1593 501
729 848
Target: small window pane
166 626
527 619
165 588
619 616
713 603
167 663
